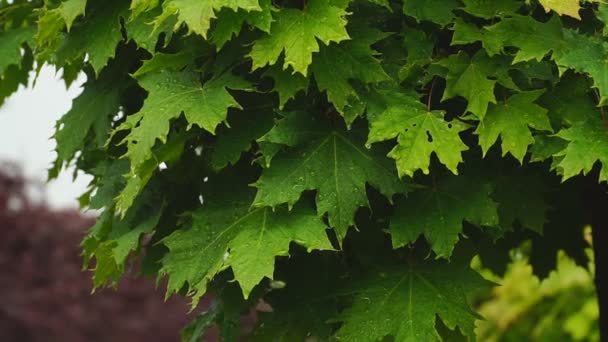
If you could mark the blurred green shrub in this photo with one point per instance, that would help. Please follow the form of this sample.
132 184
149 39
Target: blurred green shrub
561 307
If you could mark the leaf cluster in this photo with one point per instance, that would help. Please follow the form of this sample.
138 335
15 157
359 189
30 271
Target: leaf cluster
339 160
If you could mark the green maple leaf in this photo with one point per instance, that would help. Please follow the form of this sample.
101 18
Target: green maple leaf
230 22
405 302
586 54
529 210
11 43
303 308
419 133
437 11
245 127
438 212
171 93
286 83
338 167
491 9
570 100
139 177
97 37
336 65
293 129
51 22
511 121
533 38
91 113
471 78
111 240
197 15
588 144
230 234
140 6
563 7
295 32
143 31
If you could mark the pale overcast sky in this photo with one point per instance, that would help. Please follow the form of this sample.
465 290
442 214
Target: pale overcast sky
27 121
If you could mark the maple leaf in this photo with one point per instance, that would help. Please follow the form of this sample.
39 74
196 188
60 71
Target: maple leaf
405 302
91 113
139 177
470 78
529 210
51 22
533 38
97 37
437 11
491 9
306 304
510 120
356 62
140 6
588 144
438 212
586 54
295 32
245 127
570 100
563 7
230 22
197 15
11 43
111 240
142 30
169 94
286 83
228 233
419 133
338 167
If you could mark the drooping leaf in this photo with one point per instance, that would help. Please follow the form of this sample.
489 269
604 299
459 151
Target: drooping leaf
438 211
197 15
295 32
355 62
112 240
520 195
140 6
405 301
230 22
171 93
11 43
470 78
491 9
437 11
97 37
245 127
534 39
286 83
512 121
586 54
230 234
588 144
52 21
91 113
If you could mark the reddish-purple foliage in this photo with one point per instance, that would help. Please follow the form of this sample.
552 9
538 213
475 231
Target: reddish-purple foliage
45 296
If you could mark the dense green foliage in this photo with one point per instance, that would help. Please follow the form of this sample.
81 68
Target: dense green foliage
340 160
